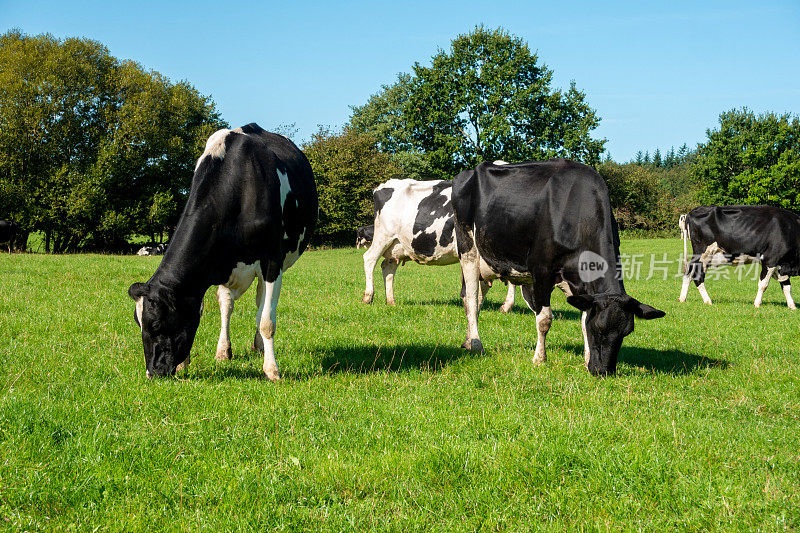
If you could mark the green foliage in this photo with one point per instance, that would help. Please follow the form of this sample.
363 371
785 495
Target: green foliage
649 198
89 144
751 159
347 167
486 98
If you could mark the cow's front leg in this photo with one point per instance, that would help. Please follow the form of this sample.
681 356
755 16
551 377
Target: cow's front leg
267 309
470 272
371 256
388 268
225 299
787 291
763 283
509 303
539 303
258 342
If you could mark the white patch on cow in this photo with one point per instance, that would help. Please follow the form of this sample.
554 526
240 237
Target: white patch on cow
139 309
543 321
285 188
293 255
499 162
215 146
687 279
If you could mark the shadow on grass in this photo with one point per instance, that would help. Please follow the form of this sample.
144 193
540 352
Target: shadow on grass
368 359
673 362
519 307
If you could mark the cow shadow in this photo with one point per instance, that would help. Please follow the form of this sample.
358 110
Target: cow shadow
396 358
673 362
520 307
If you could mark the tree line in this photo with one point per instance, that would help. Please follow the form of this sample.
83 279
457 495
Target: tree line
95 151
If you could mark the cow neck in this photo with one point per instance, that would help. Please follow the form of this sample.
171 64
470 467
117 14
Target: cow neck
192 260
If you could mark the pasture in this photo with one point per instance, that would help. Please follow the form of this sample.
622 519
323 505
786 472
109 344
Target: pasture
381 421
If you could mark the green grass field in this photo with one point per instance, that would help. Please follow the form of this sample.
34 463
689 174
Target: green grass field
381 421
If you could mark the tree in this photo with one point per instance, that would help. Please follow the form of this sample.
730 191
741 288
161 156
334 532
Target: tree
486 98
347 166
751 159
89 145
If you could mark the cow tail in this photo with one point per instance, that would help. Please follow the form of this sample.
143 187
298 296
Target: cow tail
684 236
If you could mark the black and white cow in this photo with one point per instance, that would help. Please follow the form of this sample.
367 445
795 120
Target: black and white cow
250 213
8 233
741 234
413 222
364 236
158 249
542 224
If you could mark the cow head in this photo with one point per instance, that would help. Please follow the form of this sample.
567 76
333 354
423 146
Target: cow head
168 324
607 320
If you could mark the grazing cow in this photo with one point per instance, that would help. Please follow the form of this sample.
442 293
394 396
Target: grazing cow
250 213
741 234
159 249
413 222
364 236
8 233
542 224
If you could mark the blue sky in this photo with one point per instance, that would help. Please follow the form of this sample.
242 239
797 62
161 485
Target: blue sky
658 73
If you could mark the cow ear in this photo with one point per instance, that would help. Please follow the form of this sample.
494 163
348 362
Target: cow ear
137 290
584 302
641 310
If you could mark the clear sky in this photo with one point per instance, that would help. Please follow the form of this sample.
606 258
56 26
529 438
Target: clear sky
658 73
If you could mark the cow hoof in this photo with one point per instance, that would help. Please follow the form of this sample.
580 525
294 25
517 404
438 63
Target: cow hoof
272 374
223 354
505 309
539 360
473 345
390 302
366 299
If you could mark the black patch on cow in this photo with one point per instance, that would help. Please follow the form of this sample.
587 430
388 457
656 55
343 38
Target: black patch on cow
448 233
433 207
252 128
380 197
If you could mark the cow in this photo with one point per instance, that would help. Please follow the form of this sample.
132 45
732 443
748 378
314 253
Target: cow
741 234
413 222
8 233
251 210
158 249
364 236
542 224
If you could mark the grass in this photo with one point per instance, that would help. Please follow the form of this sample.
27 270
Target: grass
381 421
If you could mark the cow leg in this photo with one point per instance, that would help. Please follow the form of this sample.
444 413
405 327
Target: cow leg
509 303
470 273
538 299
388 268
258 342
225 299
763 283
483 288
267 308
696 270
371 256
787 291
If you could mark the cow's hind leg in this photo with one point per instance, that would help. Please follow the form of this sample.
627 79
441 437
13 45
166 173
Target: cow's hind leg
267 308
509 303
226 303
537 297
763 283
388 268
